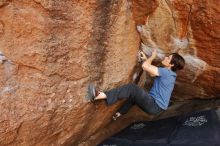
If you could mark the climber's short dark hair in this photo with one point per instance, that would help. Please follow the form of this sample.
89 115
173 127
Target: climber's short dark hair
178 62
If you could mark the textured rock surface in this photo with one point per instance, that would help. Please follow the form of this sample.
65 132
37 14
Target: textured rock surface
52 49
190 28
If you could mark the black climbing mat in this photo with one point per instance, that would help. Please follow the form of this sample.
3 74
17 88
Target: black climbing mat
195 129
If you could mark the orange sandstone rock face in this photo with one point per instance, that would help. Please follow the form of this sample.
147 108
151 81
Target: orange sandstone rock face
192 29
50 50
141 9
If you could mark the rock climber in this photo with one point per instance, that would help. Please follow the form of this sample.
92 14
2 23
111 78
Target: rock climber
152 102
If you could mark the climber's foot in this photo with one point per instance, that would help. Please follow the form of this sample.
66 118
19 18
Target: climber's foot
90 93
93 94
116 116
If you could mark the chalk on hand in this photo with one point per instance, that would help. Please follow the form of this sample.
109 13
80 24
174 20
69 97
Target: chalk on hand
148 51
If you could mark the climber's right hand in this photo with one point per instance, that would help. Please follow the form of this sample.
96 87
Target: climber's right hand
142 56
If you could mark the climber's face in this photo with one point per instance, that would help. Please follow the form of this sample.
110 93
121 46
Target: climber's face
166 61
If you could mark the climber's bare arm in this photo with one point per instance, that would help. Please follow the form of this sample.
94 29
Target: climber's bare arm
147 66
151 69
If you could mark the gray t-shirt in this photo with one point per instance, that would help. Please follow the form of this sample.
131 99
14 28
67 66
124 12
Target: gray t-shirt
163 87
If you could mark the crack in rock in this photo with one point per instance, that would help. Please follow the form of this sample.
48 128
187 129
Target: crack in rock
1 27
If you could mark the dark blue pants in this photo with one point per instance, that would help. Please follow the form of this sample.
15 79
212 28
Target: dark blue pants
135 96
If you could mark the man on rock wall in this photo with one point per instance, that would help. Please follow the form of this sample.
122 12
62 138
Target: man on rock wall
152 102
